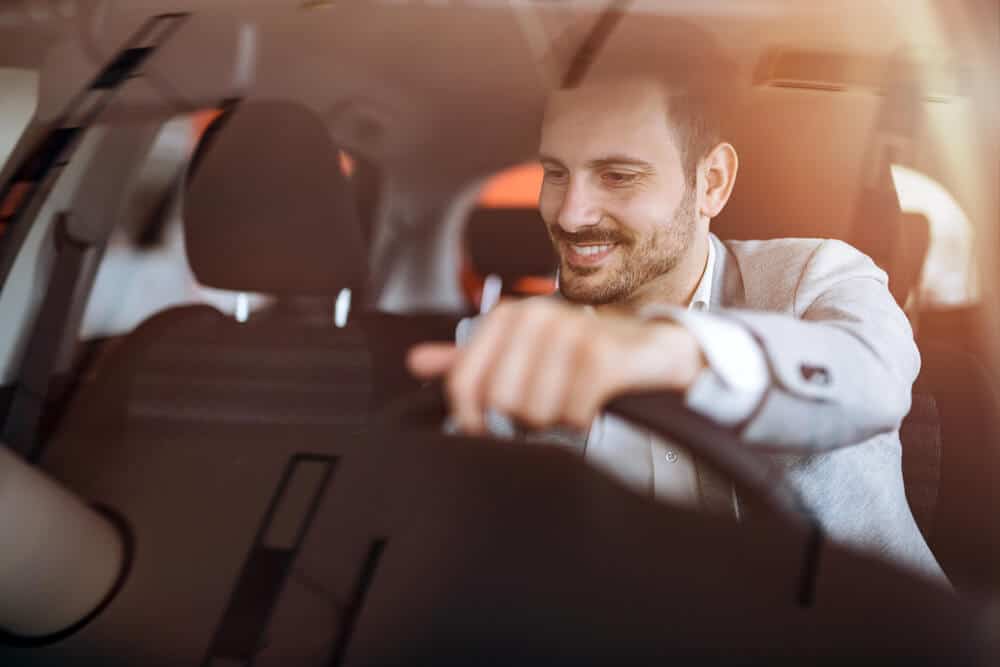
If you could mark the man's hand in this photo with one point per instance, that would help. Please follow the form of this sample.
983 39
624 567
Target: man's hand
545 363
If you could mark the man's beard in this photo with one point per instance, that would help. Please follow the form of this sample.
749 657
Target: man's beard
642 259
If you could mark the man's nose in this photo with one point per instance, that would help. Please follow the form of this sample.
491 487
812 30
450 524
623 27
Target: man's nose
579 207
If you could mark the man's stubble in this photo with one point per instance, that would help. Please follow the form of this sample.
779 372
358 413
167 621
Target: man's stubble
643 262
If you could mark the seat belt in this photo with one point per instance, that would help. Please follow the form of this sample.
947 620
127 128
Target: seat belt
21 200
20 430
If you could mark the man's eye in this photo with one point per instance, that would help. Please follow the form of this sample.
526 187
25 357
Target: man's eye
617 178
555 175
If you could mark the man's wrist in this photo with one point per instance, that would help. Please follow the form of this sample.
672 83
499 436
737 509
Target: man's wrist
734 376
683 358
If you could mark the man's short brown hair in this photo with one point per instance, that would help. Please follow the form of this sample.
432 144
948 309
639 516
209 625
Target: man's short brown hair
698 80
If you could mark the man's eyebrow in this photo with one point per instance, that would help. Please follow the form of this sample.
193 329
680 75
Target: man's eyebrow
604 161
549 158
608 160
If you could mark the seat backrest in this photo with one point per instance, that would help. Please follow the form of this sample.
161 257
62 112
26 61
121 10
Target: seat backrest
966 533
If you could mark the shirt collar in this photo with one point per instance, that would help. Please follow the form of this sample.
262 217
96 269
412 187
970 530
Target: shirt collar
702 297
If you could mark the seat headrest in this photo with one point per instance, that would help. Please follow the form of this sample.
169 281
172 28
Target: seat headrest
268 209
510 242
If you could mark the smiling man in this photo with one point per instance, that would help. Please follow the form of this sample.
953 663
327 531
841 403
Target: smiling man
795 342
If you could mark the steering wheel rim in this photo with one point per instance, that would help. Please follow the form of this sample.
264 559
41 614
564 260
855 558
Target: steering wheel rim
665 414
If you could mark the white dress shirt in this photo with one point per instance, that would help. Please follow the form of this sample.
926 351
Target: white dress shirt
737 376
727 391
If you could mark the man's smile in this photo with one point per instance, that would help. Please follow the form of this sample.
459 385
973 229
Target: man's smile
587 254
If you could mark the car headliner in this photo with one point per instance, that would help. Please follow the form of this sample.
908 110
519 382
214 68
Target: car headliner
442 93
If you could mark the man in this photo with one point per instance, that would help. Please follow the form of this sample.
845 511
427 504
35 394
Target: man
797 342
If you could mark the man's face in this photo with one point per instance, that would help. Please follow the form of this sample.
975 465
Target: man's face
615 197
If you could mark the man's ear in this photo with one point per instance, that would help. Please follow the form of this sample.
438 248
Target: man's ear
717 177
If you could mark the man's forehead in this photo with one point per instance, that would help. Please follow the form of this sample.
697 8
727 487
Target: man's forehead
615 117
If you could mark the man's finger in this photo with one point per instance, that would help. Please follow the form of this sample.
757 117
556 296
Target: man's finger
466 380
504 390
431 360
553 372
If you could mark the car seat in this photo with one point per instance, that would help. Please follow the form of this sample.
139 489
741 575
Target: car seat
266 210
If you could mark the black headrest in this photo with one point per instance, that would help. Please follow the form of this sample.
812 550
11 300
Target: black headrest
510 242
267 208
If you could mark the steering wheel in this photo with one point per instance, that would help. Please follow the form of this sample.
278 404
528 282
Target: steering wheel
665 414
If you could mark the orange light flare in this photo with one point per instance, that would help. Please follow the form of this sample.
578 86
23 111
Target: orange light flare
200 120
347 164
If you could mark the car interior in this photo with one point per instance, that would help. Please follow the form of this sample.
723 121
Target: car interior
224 224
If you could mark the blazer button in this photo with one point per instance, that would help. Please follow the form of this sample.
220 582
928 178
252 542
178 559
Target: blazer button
815 374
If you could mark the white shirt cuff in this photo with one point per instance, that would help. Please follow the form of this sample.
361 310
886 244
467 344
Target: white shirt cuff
737 375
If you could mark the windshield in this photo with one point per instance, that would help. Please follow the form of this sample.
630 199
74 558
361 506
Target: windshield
332 309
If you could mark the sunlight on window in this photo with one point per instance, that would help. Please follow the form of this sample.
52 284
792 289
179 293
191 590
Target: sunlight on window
17 106
949 276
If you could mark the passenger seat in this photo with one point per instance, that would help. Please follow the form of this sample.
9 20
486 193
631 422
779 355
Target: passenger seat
266 210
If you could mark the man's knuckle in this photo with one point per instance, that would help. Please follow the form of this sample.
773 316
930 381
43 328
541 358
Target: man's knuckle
459 386
503 400
588 355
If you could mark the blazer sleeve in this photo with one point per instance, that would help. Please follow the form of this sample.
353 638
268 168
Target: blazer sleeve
841 369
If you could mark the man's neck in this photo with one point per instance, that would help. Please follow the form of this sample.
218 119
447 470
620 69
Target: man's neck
676 287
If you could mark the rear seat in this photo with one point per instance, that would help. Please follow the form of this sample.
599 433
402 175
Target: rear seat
267 210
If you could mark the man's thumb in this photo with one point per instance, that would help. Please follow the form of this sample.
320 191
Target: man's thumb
430 360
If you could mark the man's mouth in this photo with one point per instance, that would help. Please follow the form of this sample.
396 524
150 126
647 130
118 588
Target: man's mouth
589 254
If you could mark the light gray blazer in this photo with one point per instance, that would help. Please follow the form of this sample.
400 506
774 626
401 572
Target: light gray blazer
842 362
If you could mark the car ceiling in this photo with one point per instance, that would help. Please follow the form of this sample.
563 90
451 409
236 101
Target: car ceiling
420 69
442 92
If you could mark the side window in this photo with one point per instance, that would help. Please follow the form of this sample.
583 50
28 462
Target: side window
948 275
17 106
507 249
144 269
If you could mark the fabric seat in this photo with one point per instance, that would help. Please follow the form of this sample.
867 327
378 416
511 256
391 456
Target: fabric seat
267 210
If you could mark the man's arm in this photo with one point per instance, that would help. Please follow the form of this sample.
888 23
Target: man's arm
837 371
842 369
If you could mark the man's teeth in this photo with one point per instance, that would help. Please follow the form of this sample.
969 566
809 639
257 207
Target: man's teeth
590 249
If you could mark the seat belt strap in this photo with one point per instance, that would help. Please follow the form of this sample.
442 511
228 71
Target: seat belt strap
24 418
21 200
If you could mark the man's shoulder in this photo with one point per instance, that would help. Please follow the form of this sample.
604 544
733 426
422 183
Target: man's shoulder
770 249
773 271
792 254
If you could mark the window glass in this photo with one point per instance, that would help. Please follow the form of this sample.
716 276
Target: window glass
17 106
949 276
